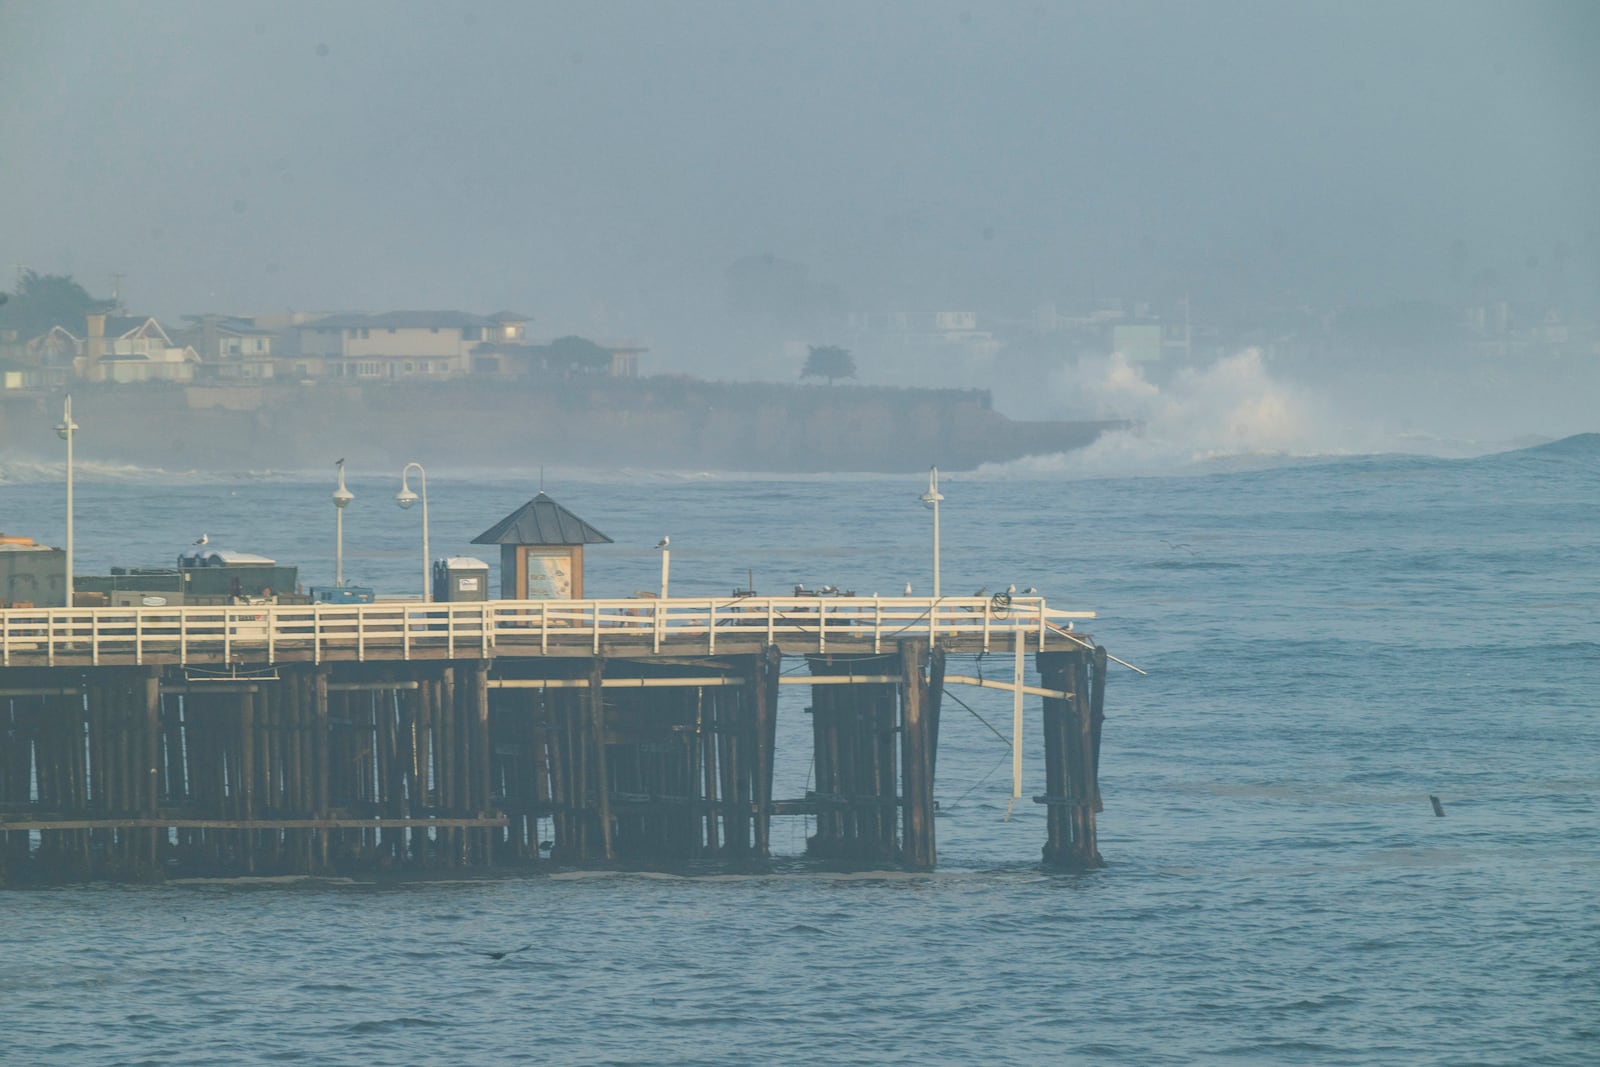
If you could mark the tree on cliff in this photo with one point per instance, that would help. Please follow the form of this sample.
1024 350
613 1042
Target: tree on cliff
830 362
45 300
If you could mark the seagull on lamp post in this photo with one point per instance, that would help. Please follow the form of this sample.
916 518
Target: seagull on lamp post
202 540
665 542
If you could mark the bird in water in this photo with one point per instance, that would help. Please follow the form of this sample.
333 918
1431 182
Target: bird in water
508 952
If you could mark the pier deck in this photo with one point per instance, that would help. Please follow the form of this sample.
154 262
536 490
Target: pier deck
253 738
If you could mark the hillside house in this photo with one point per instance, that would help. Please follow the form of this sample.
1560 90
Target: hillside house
405 344
232 348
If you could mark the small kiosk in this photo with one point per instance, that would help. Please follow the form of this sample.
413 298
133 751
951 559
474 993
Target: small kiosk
541 551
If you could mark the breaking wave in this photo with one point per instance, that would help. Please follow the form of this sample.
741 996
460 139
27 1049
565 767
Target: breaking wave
1231 414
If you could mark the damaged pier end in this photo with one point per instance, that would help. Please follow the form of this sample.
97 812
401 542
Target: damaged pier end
253 735
333 737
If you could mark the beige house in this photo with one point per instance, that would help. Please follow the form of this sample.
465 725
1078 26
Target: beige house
130 349
405 344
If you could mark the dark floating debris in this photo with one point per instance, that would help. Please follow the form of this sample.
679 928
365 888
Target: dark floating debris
508 952
1438 808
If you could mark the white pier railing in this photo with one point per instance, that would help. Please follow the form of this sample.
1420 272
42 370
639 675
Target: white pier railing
413 629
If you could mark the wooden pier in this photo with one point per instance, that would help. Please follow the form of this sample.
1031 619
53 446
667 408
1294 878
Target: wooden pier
165 741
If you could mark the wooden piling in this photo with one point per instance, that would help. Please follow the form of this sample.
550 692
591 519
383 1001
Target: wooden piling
916 749
1072 790
597 723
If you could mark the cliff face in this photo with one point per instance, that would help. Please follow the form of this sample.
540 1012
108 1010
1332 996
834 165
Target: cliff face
659 423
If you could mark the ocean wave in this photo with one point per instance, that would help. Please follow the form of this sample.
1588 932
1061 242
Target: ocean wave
36 472
1238 413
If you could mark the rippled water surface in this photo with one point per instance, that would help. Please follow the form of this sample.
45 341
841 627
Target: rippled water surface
1329 644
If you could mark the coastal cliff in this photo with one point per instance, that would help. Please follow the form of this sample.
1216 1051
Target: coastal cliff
665 423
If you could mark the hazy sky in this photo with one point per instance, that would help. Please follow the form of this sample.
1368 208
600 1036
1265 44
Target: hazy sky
599 165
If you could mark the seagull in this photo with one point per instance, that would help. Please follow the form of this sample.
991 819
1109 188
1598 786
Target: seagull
984 591
1011 590
908 589
665 542
1030 591
339 462
508 952
202 540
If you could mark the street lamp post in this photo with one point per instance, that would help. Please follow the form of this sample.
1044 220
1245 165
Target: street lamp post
932 498
405 498
665 545
341 500
65 430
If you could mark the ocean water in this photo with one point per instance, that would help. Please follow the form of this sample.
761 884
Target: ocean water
1329 641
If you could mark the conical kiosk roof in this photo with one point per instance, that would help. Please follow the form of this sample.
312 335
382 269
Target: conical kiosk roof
541 521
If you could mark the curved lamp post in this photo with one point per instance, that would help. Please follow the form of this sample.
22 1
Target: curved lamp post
65 430
405 498
341 500
932 498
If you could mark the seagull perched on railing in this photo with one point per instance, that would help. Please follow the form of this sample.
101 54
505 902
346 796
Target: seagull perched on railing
665 542
908 589
202 540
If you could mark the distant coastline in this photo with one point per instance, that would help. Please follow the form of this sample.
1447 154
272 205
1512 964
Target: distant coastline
660 422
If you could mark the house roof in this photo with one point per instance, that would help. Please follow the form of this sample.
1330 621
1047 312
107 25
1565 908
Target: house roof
541 521
124 325
242 327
